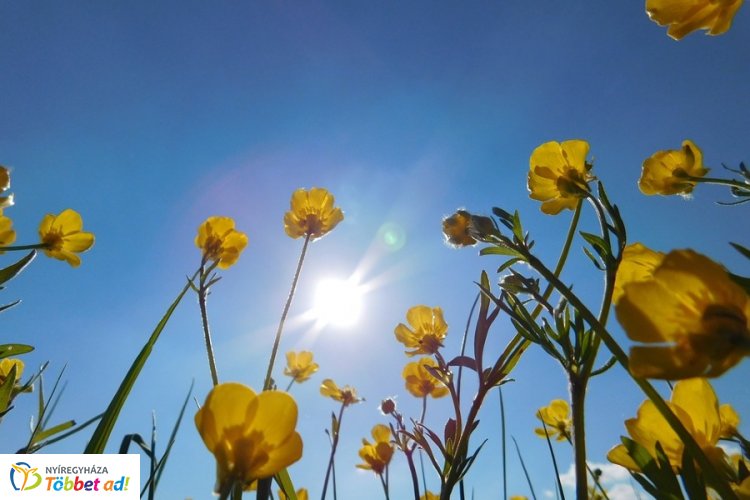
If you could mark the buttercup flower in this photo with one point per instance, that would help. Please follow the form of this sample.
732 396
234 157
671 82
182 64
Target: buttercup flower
559 175
420 383
377 455
252 436
685 16
665 172
7 233
346 395
695 405
301 494
693 306
730 421
638 264
312 214
6 365
63 236
220 241
556 418
5 201
428 495
427 332
456 229
300 366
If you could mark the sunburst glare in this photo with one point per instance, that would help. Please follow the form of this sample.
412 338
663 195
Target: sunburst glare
338 302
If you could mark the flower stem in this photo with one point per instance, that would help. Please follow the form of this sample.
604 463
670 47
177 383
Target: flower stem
578 397
720 182
334 445
277 340
202 295
291 383
35 246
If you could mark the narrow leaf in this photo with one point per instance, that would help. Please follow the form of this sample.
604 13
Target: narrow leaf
12 270
8 350
101 435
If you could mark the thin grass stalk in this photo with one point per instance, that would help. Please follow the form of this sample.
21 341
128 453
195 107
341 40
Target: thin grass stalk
277 339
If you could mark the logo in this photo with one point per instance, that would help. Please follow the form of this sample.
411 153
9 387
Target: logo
24 477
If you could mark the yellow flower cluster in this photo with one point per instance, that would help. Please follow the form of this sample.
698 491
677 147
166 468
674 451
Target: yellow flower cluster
559 175
251 435
557 421
427 332
377 455
220 241
685 16
300 366
696 318
668 172
420 382
346 395
63 236
6 365
312 214
695 404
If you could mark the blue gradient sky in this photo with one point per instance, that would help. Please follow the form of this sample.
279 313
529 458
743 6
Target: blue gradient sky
147 117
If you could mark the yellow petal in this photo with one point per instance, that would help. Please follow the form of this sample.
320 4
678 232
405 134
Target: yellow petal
698 399
666 363
619 455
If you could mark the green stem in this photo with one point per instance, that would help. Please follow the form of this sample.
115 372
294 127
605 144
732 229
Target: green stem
202 296
502 440
715 479
35 246
578 397
334 445
561 260
717 181
291 383
385 486
277 340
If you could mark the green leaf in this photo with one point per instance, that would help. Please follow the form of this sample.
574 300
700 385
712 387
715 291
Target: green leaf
101 435
498 250
7 350
285 483
743 250
53 430
693 482
6 389
8 306
12 270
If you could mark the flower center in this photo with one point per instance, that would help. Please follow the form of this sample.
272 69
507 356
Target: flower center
726 322
53 240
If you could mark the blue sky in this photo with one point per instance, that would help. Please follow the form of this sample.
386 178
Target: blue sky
147 117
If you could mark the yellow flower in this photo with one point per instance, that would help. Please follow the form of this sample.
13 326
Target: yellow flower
742 490
220 241
695 405
420 382
300 366
428 495
638 264
556 418
301 494
377 455
665 172
730 421
346 395
559 175
5 201
5 367
312 214
685 16
456 229
519 497
252 436
7 233
427 332
63 236
693 306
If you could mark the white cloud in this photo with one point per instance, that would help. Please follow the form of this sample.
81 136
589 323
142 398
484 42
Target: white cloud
615 479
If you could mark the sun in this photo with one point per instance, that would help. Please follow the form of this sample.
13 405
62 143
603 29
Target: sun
337 302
